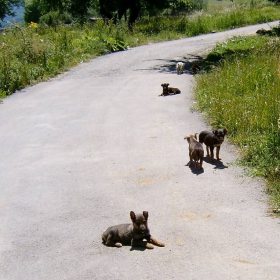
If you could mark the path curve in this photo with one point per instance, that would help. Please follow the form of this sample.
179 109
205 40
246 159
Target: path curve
81 151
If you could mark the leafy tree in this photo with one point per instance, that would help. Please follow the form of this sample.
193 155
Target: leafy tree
34 9
6 7
79 8
116 9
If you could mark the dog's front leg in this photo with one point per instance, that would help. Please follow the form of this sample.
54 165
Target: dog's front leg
212 153
156 242
142 243
218 153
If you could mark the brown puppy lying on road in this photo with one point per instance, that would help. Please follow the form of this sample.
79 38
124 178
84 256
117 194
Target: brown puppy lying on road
131 234
166 90
213 139
196 151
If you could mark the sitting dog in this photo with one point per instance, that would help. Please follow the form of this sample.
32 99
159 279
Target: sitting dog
166 90
180 67
195 68
131 234
213 139
196 151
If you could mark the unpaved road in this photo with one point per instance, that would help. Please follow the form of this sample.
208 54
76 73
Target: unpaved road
78 153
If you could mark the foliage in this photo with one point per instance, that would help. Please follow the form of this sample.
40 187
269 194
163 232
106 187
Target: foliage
119 8
34 9
241 92
275 1
186 6
32 12
54 19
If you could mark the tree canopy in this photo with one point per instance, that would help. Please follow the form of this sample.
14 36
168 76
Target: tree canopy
111 9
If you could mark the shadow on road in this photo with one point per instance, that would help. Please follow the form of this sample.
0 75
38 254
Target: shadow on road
169 66
217 163
138 249
195 170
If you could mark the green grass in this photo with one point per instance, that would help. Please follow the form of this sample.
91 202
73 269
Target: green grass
241 93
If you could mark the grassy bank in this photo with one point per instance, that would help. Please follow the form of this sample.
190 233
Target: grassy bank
241 92
36 53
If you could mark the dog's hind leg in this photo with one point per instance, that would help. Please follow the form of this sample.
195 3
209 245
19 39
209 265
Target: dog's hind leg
212 153
191 160
207 150
111 242
201 161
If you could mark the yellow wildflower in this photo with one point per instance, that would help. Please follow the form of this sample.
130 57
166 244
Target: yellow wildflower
33 25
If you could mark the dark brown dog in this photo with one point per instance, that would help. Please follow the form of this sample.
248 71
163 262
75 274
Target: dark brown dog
196 151
195 68
131 234
166 90
213 139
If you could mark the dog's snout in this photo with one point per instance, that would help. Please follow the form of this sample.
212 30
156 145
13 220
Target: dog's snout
142 228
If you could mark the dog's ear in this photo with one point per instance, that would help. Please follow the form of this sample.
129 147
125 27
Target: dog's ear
145 214
162 85
167 84
132 216
188 138
215 131
225 131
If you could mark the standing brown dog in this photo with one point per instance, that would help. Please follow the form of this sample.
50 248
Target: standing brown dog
196 151
213 139
131 234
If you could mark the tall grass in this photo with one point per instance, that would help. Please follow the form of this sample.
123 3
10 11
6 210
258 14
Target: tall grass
242 93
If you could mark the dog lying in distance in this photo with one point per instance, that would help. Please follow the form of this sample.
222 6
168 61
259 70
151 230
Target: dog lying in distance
213 139
166 90
180 67
196 152
131 234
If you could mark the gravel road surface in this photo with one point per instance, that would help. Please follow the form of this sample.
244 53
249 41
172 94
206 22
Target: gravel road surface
81 151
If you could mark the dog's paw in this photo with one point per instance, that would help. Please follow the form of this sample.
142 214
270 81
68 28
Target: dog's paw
118 244
149 246
160 244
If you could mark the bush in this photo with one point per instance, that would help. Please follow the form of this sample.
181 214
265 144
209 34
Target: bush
55 18
32 13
